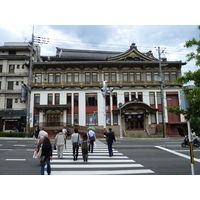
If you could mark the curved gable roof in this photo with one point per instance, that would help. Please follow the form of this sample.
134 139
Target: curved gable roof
136 104
133 54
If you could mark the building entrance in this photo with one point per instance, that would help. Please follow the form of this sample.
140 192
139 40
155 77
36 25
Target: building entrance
134 122
53 120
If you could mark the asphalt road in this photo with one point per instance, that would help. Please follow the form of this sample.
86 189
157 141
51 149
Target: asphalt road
163 156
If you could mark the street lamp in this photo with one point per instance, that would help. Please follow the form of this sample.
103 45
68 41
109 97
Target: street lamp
104 91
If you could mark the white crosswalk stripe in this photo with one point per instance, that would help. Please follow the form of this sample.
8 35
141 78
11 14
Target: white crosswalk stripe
99 163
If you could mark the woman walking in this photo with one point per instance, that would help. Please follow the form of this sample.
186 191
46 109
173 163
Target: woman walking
60 142
46 156
84 147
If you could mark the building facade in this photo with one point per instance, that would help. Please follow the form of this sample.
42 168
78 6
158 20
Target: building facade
14 75
66 91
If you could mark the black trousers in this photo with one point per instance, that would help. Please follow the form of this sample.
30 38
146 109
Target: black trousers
91 146
75 150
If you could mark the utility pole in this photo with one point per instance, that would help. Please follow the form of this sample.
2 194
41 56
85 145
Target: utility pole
162 93
30 75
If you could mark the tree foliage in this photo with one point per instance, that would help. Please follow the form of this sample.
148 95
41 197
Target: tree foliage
192 94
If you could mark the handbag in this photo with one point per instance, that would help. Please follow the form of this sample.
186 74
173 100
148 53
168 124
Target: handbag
35 154
42 160
54 147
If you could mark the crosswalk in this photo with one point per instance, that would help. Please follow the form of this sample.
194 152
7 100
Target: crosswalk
99 163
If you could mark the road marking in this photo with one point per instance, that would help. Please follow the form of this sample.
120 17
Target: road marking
113 172
91 161
90 156
93 166
15 159
177 153
6 149
19 145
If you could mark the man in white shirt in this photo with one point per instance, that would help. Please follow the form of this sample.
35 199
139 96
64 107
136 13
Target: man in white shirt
75 143
91 137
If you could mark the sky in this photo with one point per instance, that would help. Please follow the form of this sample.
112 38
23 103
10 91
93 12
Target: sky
170 38
104 25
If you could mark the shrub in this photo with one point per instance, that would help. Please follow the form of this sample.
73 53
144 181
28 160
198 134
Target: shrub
15 134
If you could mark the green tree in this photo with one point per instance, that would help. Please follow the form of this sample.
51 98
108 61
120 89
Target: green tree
192 94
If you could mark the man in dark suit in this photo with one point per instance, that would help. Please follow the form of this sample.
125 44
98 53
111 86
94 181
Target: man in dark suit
110 138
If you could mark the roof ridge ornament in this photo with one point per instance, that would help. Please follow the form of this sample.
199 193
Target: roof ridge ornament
133 46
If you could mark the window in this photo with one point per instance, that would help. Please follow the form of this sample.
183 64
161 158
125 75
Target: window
126 97
107 99
148 76
10 85
69 77
152 97
76 99
17 82
91 99
155 76
16 100
38 78
153 118
37 99
114 99
50 78
57 78
12 52
166 76
76 77
158 98
133 96
173 76
138 76
57 98
11 68
131 77
125 77
87 77
140 96
1 68
107 77
94 77
69 98
9 103
50 99
113 77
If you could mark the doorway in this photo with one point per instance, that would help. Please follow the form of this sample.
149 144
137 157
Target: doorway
53 120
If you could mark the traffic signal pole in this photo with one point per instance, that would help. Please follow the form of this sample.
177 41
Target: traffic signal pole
191 147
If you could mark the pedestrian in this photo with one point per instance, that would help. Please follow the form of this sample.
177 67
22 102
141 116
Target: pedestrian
68 133
64 131
42 133
75 143
36 133
92 138
60 142
84 147
110 138
46 156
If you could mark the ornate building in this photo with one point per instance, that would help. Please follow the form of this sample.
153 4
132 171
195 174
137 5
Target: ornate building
66 90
